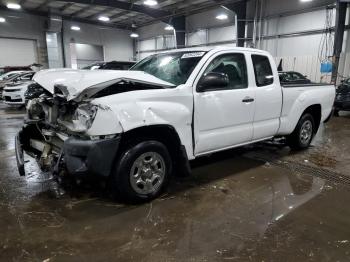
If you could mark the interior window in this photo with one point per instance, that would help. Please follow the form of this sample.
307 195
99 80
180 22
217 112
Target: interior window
298 76
27 77
234 66
262 70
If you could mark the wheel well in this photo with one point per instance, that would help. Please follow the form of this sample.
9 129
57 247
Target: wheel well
165 134
316 112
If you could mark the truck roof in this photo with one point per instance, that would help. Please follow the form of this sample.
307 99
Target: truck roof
216 48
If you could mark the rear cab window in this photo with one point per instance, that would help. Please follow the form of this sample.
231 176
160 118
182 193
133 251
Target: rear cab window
262 70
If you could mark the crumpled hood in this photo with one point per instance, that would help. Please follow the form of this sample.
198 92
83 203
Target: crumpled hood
82 84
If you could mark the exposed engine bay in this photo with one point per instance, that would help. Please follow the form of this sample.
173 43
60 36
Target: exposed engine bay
50 121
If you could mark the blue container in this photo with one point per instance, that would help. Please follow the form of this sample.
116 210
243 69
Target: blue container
326 67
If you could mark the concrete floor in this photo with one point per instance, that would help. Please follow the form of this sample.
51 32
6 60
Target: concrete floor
259 203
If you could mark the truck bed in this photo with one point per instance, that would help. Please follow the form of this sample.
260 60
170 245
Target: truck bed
297 98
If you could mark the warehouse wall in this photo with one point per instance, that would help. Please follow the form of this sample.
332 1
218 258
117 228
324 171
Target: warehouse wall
117 44
299 52
282 24
200 31
28 27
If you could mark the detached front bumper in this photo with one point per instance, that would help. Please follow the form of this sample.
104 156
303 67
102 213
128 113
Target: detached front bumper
80 157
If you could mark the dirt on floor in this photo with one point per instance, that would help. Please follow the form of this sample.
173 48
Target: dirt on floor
258 203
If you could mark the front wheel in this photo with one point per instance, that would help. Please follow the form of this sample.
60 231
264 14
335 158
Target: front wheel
143 171
303 134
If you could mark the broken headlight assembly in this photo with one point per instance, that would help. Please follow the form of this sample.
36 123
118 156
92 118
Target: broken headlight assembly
82 118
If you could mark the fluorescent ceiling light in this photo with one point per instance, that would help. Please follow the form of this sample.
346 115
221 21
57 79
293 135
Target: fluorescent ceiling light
169 28
150 2
305 0
134 35
2 20
75 28
222 17
13 6
103 18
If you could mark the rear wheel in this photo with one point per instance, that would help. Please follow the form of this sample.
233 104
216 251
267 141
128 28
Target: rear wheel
303 134
143 171
336 112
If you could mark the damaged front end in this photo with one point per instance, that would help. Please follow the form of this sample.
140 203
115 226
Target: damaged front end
55 134
66 130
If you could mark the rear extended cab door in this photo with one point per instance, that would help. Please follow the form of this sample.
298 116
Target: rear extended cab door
268 96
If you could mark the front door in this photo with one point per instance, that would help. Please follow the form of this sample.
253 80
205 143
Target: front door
223 118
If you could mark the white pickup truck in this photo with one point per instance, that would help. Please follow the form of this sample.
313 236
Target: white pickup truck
139 127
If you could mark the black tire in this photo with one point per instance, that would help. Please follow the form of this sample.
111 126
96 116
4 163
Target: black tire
122 177
296 140
336 112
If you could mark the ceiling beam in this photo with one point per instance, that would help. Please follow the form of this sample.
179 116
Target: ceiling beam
119 15
44 4
67 18
81 11
97 14
65 7
152 12
195 10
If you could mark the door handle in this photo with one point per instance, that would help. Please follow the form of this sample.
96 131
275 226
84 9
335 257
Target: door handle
248 100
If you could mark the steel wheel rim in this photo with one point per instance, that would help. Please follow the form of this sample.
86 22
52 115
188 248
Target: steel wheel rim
306 132
147 173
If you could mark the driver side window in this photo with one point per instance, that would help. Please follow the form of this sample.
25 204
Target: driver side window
232 65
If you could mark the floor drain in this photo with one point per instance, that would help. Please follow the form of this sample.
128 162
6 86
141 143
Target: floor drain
304 169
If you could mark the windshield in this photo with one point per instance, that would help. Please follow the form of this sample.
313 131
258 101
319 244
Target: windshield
174 68
8 75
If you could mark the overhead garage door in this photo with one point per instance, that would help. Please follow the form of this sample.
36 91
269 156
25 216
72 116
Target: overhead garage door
17 52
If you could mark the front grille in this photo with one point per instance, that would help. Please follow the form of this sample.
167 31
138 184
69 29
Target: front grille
8 99
11 90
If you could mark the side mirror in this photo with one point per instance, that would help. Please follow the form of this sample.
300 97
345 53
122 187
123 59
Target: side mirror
268 80
213 81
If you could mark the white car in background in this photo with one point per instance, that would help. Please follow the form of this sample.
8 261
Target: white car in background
9 77
13 94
